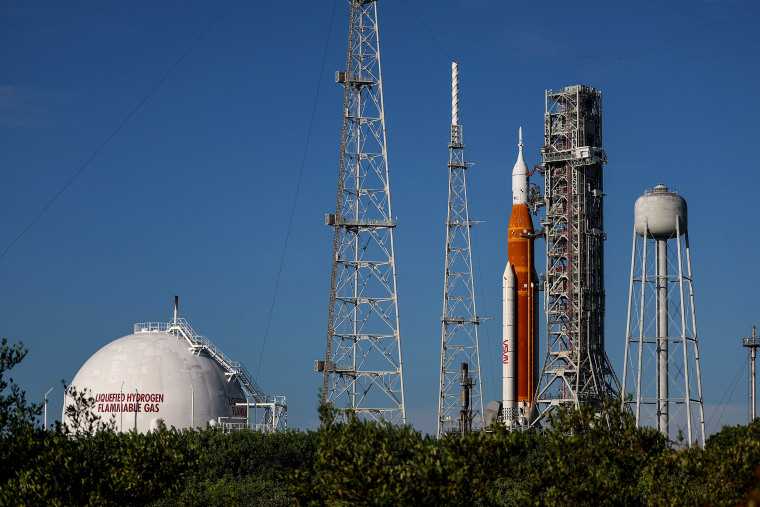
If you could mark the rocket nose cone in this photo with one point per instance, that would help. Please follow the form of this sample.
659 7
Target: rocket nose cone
520 177
520 168
509 274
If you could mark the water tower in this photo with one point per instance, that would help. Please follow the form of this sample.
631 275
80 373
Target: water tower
661 371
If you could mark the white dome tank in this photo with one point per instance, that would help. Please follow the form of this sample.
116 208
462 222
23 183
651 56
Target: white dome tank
154 375
657 211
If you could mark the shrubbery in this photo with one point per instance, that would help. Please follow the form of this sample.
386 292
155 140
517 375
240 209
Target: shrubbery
586 459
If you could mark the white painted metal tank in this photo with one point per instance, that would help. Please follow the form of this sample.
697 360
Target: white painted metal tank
154 374
657 211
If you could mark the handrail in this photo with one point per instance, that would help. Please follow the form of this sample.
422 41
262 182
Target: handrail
196 341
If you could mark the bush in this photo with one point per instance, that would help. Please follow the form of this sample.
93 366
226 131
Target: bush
590 455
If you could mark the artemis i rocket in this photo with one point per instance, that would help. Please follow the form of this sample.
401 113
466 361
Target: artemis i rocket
520 302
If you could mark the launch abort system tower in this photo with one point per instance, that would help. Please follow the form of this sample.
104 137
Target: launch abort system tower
576 369
362 366
459 341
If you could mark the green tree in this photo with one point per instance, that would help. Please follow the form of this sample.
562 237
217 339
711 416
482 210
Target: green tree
246 467
593 455
372 463
15 410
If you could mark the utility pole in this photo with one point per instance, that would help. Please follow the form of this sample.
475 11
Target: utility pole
459 337
46 400
362 367
753 342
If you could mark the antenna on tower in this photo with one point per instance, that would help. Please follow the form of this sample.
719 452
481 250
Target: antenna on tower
362 367
459 342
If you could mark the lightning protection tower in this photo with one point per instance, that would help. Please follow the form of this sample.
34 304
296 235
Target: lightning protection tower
459 342
362 367
661 353
576 368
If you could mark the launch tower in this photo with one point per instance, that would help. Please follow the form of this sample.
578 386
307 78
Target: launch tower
576 368
459 342
362 367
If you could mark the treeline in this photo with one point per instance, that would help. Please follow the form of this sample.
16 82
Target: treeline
585 460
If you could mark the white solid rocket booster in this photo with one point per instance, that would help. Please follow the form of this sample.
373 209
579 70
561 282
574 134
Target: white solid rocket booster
509 341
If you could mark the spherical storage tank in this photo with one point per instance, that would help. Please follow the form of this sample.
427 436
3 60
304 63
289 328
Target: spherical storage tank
657 211
155 374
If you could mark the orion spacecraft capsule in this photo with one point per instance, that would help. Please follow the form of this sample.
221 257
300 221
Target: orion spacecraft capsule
520 304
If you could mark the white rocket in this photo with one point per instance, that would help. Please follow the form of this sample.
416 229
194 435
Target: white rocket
509 342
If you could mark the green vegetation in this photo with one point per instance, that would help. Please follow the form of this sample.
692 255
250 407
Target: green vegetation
586 460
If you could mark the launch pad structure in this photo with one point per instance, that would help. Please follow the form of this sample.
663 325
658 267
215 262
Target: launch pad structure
576 368
459 336
362 367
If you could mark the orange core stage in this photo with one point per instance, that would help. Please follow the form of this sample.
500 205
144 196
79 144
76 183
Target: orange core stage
520 256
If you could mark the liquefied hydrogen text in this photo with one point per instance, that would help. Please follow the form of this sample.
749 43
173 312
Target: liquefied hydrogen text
129 402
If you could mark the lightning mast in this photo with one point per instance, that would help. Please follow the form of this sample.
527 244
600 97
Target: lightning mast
362 367
459 342
576 369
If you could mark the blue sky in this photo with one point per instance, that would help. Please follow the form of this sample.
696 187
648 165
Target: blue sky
193 194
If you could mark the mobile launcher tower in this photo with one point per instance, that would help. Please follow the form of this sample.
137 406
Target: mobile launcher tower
576 368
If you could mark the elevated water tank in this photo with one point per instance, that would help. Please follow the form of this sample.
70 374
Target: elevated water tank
656 212
155 374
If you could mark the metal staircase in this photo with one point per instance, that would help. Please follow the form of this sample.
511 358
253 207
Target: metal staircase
199 344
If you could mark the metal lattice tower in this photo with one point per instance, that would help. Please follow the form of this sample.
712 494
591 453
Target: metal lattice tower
752 343
459 342
576 369
661 351
362 366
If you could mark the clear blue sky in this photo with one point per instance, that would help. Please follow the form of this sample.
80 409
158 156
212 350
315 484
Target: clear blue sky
193 194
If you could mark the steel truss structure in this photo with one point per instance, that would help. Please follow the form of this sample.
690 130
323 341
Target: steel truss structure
362 367
576 368
268 415
459 341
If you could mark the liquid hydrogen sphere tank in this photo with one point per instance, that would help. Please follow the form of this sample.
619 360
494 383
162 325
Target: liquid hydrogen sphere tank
656 212
154 375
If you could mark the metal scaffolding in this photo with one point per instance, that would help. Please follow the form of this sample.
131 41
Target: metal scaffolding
362 367
576 368
459 340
